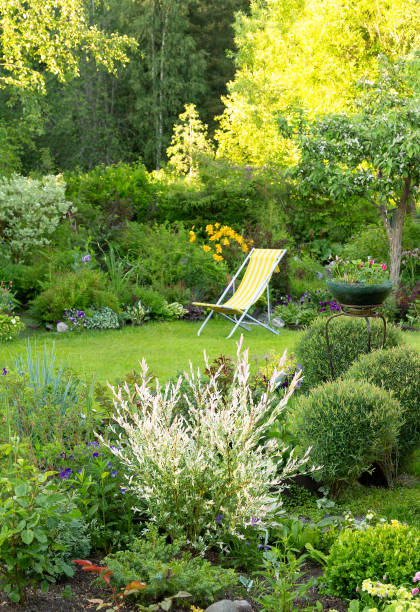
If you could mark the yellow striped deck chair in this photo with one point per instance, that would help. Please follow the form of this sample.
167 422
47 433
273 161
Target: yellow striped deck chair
261 265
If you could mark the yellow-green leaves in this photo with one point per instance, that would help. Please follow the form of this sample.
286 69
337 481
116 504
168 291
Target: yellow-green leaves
42 36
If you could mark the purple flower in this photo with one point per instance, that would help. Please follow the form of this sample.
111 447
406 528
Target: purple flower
4 372
219 518
113 473
86 258
109 464
247 543
123 490
254 521
95 455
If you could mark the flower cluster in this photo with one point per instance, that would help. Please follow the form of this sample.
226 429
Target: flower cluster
400 596
7 297
221 236
357 271
75 319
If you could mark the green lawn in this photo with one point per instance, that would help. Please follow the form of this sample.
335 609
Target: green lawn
167 347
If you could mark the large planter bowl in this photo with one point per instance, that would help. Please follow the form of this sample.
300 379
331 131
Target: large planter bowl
359 294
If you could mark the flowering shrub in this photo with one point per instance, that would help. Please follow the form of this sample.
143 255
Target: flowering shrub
221 236
191 471
10 327
397 370
349 428
391 598
358 271
391 549
410 264
30 211
304 310
75 319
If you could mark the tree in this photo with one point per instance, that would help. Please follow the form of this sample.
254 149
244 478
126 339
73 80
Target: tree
189 142
373 153
305 52
39 36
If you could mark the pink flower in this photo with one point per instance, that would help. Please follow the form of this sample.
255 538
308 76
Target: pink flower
416 577
384 266
372 261
414 591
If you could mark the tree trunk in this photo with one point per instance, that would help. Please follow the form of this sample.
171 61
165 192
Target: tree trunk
394 231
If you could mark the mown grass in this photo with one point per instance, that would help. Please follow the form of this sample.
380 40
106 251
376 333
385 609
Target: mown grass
167 347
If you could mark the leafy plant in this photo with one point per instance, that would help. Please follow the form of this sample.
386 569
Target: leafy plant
390 549
386 597
358 271
397 370
31 509
102 318
348 427
10 327
348 340
8 301
167 568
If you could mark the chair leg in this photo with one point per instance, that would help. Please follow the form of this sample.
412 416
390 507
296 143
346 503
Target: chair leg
238 323
206 320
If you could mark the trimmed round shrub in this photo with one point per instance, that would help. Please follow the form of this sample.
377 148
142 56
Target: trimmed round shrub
397 370
349 426
388 549
348 340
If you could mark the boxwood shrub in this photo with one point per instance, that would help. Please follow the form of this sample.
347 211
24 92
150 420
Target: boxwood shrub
348 340
388 549
349 426
397 370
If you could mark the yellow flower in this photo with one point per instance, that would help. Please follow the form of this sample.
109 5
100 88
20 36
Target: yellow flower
209 229
245 248
206 248
218 248
217 225
214 237
217 257
226 241
196 609
192 237
394 522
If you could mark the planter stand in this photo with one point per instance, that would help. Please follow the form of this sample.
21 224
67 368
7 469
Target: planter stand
366 312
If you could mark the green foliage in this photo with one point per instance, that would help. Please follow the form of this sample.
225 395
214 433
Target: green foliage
97 481
46 404
110 195
54 33
292 53
31 509
349 427
305 273
359 271
83 289
390 549
167 568
348 340
10 327
30 211
397 370
102 318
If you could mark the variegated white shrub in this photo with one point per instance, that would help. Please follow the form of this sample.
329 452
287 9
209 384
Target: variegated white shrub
191 474
30 210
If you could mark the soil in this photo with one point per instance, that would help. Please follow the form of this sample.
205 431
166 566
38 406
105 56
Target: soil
84 591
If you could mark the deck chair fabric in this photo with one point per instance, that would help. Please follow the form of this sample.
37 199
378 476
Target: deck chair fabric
261 265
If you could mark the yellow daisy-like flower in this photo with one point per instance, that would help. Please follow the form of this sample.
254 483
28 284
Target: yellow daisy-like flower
225 241
206 248
214 237
196 609
245 248
217 257
192 237
217 225
218 248
209 229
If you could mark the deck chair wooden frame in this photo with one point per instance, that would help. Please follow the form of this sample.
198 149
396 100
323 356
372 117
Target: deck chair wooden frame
239 316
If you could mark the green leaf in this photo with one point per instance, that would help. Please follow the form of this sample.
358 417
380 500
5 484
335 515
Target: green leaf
27 536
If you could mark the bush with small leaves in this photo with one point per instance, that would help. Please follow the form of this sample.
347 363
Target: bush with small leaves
167 568
102 318
349 427
388 549
397 370
348 340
